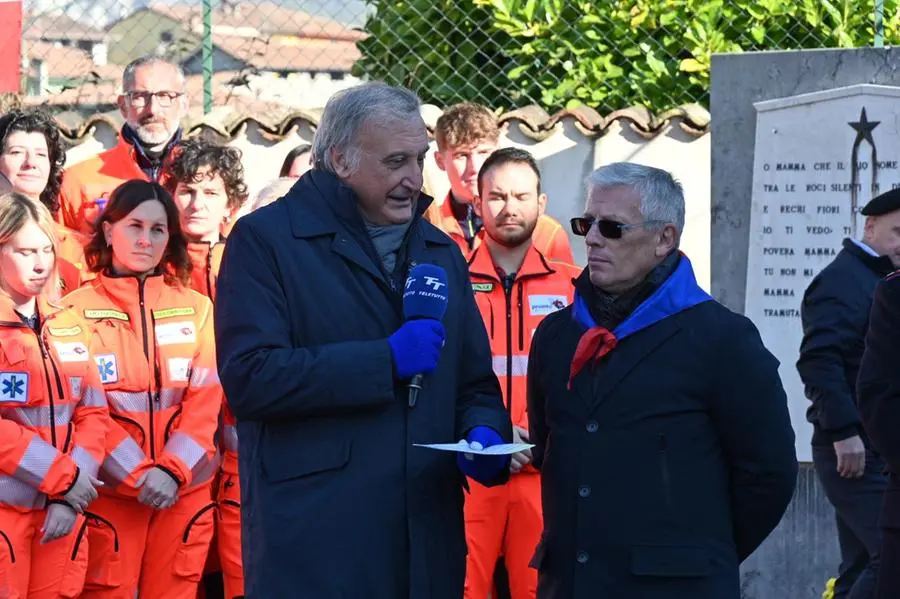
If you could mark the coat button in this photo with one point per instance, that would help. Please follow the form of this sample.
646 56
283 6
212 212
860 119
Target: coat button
584 491
582 557
592 427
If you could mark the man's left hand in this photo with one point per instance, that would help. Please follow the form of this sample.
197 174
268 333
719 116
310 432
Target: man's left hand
482 468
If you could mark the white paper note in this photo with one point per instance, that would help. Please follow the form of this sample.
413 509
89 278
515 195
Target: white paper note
464 447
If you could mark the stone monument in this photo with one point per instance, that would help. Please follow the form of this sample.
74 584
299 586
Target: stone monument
819 157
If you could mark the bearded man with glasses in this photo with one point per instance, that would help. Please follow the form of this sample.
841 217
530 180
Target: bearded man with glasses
153 103
659 420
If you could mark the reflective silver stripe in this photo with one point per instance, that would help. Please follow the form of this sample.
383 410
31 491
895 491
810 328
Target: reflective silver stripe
204 377
188 451
128 401
231 438
15 492
39 416
85 460
139 402
519 365
205 473
121 461
93 397
35 464
170 397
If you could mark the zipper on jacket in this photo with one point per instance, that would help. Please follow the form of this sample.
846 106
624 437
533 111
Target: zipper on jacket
209 292
46 357
521 321
147 355
508 282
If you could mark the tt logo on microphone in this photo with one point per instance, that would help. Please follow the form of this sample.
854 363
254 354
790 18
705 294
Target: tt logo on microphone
434 283
410 281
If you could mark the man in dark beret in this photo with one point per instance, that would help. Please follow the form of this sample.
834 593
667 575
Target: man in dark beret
835 315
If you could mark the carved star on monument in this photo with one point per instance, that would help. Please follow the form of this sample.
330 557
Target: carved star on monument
864 128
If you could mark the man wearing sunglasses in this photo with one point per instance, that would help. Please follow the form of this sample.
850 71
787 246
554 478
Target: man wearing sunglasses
153 103
660 423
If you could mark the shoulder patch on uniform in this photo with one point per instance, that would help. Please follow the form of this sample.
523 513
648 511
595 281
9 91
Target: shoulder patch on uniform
100 314
71 352
14 387
482 287
172 312
68 332
175 333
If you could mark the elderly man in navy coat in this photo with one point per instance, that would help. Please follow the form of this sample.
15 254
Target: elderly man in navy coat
661 425
315 358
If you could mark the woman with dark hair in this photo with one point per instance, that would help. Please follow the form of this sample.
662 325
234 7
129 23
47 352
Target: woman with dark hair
153 341
297 162
32 156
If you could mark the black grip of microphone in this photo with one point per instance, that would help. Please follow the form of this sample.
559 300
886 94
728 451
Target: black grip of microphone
415 384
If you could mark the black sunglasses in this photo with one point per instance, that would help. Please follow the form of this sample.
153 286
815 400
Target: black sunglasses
610 229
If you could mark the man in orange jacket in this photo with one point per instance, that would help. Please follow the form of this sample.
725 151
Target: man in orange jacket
515 286
207 182
466 135
153 103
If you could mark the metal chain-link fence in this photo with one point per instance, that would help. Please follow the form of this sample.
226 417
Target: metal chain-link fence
284 55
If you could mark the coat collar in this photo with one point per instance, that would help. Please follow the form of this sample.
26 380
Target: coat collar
481 264
880 265
320 204
8 314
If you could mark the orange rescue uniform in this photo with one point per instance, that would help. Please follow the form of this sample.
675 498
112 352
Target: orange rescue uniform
206 259
86 185
549 237
53 422
507 520
153 343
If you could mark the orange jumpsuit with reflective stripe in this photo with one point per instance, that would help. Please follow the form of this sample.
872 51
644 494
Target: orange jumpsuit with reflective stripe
155 353
507 520
53 422
549 237
206 259
87 184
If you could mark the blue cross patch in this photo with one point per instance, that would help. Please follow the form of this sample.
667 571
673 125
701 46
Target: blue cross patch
108 368
14 387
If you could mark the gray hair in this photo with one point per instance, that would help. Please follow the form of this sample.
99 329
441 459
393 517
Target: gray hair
128 74
347 111
662 197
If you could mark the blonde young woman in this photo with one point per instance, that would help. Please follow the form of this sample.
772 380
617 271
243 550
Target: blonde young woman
53 415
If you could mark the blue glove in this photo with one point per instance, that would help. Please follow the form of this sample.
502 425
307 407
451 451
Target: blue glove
483 468
416 347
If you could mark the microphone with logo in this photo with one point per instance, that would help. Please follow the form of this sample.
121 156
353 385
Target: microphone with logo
425 296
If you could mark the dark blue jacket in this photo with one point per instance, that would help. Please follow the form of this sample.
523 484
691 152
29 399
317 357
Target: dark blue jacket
835 313
667 464
337 503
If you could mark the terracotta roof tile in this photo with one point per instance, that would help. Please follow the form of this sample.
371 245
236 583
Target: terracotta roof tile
265 17
69 63
58 27
276 121
300 55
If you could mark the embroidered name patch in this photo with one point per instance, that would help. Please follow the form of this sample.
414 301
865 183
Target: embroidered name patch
14 387
71 352
108 368
69 332
482 287
172 312
541 305
172 333
99 314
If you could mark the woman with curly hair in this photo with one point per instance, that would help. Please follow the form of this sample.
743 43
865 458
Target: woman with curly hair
207 182
32 156
153 341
